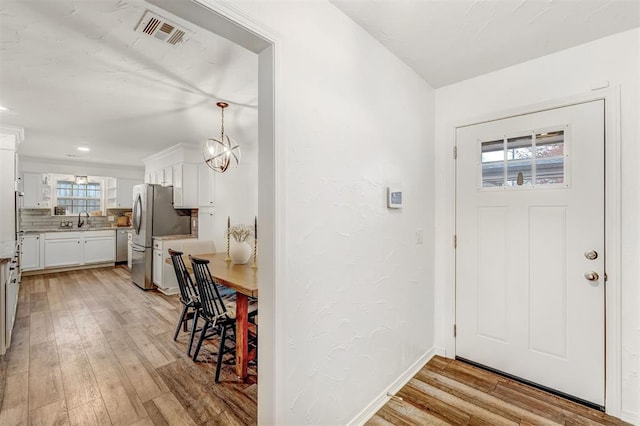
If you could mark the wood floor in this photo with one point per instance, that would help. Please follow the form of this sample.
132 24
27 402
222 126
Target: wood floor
90 348
451 392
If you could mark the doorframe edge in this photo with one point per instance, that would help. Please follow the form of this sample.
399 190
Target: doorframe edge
613 326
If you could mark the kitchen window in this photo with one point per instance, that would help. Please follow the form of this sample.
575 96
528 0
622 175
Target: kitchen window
75 198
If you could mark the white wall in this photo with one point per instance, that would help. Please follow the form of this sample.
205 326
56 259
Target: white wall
47 165
355 302
236 194
560 75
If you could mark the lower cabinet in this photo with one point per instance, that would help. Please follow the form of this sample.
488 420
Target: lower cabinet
99 249
32 246
164 276
157 268
63 249
62 252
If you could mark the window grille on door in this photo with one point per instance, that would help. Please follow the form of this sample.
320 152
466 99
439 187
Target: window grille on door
534 159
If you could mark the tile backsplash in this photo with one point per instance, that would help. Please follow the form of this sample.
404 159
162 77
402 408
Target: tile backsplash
41 219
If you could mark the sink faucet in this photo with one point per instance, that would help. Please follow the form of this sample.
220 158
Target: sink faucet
80 221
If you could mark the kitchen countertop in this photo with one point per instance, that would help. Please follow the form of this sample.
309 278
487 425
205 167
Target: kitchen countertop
7 250
175 237
41 231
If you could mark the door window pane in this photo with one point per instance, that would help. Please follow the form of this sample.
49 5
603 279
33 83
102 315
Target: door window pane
519 161
492 164
550 158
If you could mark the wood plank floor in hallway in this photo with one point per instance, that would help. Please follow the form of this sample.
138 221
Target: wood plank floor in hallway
452 392
90 348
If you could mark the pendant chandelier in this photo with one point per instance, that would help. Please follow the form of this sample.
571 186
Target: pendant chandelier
221 153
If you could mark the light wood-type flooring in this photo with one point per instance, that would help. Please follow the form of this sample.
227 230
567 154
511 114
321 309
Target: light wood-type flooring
90 348
452 392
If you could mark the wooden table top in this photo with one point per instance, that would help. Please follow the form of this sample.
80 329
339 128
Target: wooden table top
241 278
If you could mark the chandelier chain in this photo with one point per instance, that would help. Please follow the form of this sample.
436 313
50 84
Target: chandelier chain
222 126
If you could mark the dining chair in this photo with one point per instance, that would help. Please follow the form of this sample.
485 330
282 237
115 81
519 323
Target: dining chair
188 297
219 320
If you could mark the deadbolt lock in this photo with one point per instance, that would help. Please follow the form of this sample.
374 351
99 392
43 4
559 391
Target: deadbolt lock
591 254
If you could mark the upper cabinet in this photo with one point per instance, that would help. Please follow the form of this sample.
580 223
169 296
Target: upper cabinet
37 190
206 187
178 167
185 186
125 193
120 193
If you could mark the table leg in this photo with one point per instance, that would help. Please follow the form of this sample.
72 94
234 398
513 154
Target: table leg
242 336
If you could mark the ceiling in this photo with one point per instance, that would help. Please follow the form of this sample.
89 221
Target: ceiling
446 41
75 73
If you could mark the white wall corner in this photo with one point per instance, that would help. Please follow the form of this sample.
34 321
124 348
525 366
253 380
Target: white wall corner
374 406
439 351
630 417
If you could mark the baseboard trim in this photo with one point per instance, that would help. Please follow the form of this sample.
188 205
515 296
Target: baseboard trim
375 405
629 416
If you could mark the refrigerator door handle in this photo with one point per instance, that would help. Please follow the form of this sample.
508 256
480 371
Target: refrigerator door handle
134 248
137 214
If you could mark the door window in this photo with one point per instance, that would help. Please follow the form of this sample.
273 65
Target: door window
529 160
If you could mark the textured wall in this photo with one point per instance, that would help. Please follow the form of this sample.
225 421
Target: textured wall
355 301
567 73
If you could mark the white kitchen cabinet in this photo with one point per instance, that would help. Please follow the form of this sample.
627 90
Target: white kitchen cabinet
37 191
157 268
125 193
112 193
120 193
185 186
4 277
206 224
73 248
32 253
206 186
159 177
62 252
168 176
99 250
164 276
12 287
9 287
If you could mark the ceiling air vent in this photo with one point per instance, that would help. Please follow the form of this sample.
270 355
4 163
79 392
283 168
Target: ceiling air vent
161 28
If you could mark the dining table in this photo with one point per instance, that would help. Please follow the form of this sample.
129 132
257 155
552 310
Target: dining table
244 280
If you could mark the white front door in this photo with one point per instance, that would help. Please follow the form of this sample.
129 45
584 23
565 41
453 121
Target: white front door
530 248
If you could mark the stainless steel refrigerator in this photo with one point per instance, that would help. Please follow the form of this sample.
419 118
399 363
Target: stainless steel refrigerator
153 216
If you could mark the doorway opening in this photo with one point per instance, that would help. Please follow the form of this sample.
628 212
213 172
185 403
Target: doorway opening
238 28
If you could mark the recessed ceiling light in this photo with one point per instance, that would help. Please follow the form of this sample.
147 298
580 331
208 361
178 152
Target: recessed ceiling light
84 148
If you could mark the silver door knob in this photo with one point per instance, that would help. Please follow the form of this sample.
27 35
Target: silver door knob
591 276
591 254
